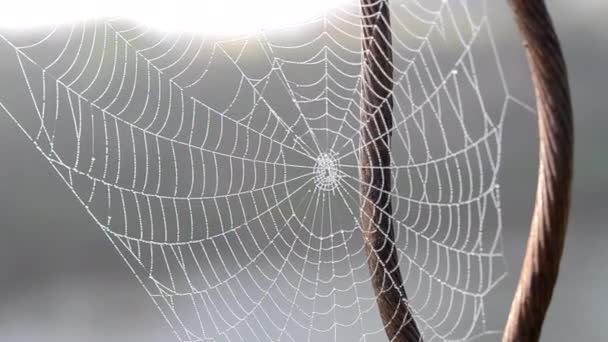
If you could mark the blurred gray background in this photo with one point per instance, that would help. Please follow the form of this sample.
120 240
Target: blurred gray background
61 280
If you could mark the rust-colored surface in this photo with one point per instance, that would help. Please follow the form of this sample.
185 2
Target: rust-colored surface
375 174
547 232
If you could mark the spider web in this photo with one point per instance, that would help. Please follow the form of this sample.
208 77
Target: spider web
225 171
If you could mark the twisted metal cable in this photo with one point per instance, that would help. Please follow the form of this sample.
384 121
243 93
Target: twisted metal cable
548 228
375 173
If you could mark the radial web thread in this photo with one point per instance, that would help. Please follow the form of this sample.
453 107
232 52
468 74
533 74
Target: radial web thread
225 171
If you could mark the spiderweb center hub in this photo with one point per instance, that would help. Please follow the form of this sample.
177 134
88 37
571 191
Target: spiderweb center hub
326 172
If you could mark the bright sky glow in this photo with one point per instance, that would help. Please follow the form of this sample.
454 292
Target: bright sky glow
208 16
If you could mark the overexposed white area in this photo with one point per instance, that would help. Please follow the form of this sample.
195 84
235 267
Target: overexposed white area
214 17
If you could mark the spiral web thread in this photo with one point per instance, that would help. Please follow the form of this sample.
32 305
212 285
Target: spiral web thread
225 171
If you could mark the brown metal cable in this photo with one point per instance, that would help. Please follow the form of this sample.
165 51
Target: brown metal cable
375 173
548 228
